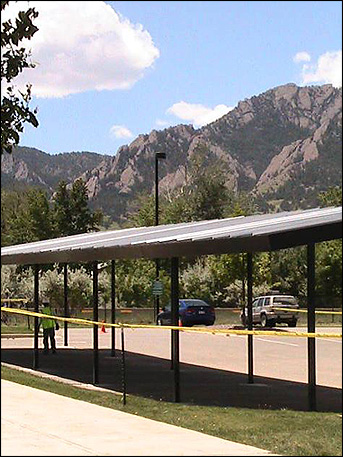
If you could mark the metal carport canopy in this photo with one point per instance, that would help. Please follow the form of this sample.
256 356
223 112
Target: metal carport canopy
266 232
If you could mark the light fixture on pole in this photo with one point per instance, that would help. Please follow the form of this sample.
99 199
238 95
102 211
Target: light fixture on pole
158 155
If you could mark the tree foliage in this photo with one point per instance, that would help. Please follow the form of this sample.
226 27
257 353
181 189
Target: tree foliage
28 216
331 197
204 196
62 207
206 191
15 110
219 279
25 217
71 211
329 253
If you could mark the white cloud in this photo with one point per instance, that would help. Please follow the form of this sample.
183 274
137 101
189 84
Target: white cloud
327 70
120 131
162 123
82 46
302 57
197 114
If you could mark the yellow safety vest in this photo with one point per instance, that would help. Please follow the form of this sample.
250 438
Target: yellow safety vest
47 323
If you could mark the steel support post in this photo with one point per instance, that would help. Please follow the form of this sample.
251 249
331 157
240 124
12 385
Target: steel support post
36 321
250 326
157 298
95 327
157 261
65 297
158 155
311 327
113 307
175 322
123 365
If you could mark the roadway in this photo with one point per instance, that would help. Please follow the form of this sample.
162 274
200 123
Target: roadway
279 363
274 356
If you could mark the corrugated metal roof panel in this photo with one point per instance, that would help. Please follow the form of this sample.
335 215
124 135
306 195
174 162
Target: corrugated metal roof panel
250 233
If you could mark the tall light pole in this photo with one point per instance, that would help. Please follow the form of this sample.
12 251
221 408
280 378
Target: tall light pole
158 155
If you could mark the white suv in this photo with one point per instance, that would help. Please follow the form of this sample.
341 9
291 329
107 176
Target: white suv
268 310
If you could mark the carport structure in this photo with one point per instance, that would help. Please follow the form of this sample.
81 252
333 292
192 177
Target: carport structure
244 234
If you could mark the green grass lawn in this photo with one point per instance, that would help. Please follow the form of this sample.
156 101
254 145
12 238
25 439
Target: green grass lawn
283 432
224 316
12 329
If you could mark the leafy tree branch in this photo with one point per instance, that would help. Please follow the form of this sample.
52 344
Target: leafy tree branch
15 109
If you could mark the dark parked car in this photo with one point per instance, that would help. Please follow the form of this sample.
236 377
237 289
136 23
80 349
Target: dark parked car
191 312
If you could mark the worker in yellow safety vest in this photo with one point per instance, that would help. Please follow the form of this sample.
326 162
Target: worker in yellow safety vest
48 326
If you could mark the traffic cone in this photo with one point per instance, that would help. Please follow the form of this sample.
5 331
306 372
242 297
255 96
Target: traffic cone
103 328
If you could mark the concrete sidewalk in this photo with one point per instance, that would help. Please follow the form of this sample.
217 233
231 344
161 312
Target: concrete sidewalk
35 422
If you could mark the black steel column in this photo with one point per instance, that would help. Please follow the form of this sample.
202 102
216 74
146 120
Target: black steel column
157 261
157 297
123 365
65 295
250 337
311 327
158 155
95 327
36 323
243 280
113 307
156 191
175 322
243 287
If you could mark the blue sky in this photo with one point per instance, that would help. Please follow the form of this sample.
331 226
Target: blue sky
109 71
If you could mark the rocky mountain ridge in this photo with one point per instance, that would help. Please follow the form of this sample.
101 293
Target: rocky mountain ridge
283 146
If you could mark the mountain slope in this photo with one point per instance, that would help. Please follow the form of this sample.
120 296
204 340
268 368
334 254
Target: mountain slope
35 167
283 146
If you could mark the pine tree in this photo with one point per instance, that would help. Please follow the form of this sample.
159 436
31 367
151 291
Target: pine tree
63 210
71 211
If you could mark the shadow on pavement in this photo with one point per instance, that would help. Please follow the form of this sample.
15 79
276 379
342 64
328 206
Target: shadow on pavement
153 377
261 329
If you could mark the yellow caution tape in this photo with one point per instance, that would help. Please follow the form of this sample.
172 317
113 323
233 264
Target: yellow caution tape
234 310
227 332
305 311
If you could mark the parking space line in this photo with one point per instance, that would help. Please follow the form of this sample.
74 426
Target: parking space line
276 342
331 340
268 341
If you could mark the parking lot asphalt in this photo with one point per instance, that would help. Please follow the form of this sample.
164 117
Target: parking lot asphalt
149 373
212 372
